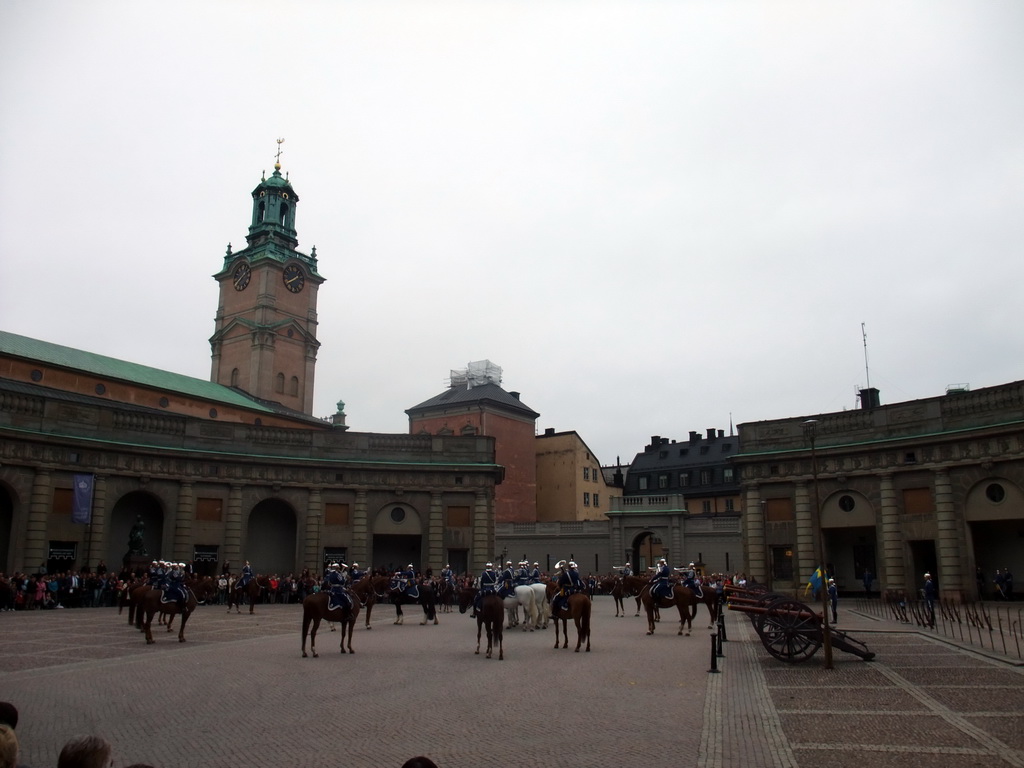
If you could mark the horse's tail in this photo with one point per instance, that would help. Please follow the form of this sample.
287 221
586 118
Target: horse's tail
585 619
307 617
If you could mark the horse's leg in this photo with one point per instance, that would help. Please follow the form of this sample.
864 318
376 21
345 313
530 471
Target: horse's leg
398 611
253 594
479 626
650 617
185 613
490 637
579 629
312 636
306 618
351 626
147 624
369 609
638 601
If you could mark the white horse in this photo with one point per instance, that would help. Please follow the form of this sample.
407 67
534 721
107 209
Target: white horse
540 592
525 597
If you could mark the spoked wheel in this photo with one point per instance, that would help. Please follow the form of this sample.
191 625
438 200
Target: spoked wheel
790 630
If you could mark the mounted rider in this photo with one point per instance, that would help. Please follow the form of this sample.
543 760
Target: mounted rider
407 583
337 583
174 591
625 570
488 586
246 577
661 581
523 574
535 574
506 581
355 574
154 574
448 575
569 583
691 580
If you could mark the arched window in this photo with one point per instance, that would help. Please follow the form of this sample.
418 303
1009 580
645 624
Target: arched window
234 377
295 385
280 383
284 214
261 212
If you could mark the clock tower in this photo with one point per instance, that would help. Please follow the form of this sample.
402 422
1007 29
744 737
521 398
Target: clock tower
264 340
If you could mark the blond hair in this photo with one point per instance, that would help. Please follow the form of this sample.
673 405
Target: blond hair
8 747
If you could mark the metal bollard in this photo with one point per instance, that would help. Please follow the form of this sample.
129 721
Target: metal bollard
714 658
718 640
721 626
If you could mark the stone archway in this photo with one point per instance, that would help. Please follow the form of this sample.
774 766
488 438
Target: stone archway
851 538
271 538
132 507
6 527
398 537
994 512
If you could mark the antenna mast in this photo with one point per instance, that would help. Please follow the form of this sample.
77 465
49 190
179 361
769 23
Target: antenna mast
864 335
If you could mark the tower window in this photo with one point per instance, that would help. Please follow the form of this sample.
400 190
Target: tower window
261 212
279 385
295 385
284 215
234 377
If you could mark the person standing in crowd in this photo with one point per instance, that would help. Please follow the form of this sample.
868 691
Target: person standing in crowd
1000 582
867 578
979 579
1008 582
833 599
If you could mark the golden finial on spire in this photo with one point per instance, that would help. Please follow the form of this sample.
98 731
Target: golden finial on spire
277 159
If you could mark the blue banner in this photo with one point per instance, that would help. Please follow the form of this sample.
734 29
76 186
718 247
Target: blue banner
81 503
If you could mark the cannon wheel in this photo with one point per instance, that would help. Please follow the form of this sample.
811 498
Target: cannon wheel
789 630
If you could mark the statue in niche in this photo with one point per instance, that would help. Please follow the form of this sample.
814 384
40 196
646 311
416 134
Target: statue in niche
136 546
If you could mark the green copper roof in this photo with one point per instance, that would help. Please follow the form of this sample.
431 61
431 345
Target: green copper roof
121 370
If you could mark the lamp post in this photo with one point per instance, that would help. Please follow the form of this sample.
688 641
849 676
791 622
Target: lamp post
811 432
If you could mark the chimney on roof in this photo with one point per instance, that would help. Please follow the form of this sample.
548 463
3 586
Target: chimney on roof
515 395
694 436
549 431
869 398
721 433
711 434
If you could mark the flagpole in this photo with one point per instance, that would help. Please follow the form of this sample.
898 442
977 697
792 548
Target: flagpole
810 432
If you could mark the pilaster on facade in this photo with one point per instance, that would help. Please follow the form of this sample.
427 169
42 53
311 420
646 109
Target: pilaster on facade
435 532
805 556
757 552
360 536
98 528
38 508
949 550
893 574
314 524
233 525
183 516
483 533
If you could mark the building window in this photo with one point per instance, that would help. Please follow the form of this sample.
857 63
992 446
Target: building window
707 476
597 500
663 481
782 563
586 499
683 451
704 449
846 503
459 517
995 493
641 483
684 479
728 475
918 501
730 505
586 473
336 514
778 510
209 509
279 383
705 506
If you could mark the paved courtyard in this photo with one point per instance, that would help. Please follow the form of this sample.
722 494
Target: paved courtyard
238 693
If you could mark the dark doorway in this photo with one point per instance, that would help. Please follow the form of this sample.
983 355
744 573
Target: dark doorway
395 551
458 559
922 554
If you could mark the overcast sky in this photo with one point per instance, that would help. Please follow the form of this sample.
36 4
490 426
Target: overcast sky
655 216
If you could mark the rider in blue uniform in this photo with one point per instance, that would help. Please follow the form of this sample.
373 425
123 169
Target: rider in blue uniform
337 581
506 581
625 570
246 576
154 576
488 586
523 574
691 582
408 580
569 582
661 581
174 592
355 574
448 575
535 574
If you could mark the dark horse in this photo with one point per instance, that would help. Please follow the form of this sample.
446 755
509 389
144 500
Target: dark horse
252 590
315 610
426 600
578 609
682 598
367 589
491 615
445 595
150 605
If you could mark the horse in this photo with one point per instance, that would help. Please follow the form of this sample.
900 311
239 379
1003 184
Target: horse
525 597
613 586
578 609
369 589
426 600
634 586
150 605
238 593
540 596
315 609
682 598
445 595
490 616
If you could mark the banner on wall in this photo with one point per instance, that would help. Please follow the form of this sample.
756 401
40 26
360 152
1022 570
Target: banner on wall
81 504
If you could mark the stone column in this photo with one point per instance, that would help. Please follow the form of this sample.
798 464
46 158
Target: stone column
183 518
98 529
677 549
361 532
805 556
314 524
618 547
756 546
890 538
233 529
36 543
435 534
951 574
483 533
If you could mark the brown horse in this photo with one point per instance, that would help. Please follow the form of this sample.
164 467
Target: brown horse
490 616
151 605
578 609
367 590
315 609
682 598
238 593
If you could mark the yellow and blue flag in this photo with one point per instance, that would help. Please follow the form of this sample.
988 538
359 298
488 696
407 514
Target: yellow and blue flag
816 582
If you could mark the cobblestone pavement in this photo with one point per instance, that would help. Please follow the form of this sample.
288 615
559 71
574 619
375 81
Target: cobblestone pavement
238 693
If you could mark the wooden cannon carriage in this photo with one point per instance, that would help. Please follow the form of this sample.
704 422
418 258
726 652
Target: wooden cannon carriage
790 630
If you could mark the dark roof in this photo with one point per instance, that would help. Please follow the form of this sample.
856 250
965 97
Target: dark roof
490 394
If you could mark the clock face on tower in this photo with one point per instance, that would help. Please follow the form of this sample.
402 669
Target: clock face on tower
241 277
294 278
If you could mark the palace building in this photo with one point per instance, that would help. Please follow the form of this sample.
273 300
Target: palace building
232 469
